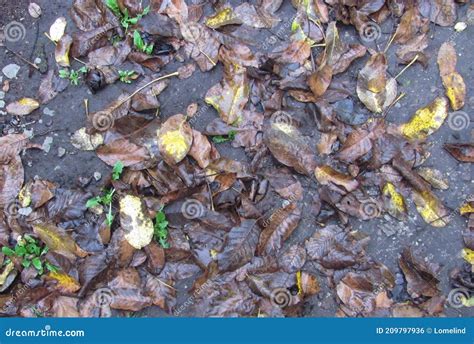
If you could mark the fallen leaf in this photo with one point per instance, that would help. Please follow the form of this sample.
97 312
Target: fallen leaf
22 107
426 120
175 138
56 31
463 152
138 226
59 241
431 209
452 80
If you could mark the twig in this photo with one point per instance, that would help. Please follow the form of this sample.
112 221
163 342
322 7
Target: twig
49 37
86 106
23 59
407 66
389 42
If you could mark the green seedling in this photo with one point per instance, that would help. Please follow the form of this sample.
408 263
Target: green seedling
221 139
29 252
126 76
124 17
140 44
73 75
161 229
117 170
106 200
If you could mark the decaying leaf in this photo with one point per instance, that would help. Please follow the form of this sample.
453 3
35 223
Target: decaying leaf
137 225
56 31
431 208
326 174
374 87
426 120
463 152
421 280
175 138
394 202
452 80
59 241
22 107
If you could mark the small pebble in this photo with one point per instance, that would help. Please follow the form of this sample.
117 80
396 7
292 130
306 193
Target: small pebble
2 95
2 104
61 152
48 112
37 61
25 211
11 70
97 176
48 141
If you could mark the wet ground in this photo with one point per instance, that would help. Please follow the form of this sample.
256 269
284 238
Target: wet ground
66 113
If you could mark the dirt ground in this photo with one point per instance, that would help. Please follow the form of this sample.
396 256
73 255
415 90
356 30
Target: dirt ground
388 237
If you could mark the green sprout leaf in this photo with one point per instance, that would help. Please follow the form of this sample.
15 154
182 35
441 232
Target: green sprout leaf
161 229
221 139
8 251
117 170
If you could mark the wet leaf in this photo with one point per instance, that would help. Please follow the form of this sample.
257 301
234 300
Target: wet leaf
137 225
452 80
431 209
201 150
241 243
22 107
225 16
126 289
421 280
288 147
426 120
434 177
277 228
175 138
394 202
319 81
59 241
64 283
463 152
122 150
61 54
326 174
374 87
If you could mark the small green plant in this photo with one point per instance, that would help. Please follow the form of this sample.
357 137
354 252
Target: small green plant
126 76
141 45
73 75
124 17
104 199
221 139
117 170
161 229
29 252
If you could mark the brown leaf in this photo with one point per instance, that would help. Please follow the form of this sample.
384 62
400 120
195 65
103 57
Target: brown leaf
22 107
201 150
319 81
326 174
277 228
241 243
421 280
127 291
463 152
452 80
122 150
443 12
59 241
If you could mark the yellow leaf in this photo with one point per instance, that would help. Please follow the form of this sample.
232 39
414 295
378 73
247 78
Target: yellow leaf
175 144
22 107
395 201
455 89
426 120
223 17
65 283
138 227
431 209
468 255
58 241
298 282
3 276
175 139
466 209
